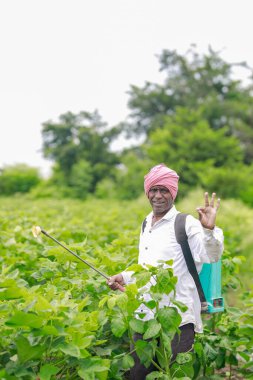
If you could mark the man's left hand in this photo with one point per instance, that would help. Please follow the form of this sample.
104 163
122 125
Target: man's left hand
207 214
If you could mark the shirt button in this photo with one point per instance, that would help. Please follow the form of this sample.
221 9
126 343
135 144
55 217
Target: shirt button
146 247
150 231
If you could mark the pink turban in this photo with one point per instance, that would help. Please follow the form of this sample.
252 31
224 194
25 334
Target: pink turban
163 176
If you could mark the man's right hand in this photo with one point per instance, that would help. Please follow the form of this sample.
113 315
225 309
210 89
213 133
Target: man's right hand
116 282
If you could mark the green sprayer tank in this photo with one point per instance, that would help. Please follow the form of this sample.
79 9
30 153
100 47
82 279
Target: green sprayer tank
210 278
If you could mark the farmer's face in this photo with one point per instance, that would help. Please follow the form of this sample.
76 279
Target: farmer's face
160 199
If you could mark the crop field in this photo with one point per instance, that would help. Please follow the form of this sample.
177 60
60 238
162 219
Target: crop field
59 319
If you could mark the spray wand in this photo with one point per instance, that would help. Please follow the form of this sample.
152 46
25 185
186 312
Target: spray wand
37 230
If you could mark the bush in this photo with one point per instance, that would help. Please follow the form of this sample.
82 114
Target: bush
230 182
81 178
47 189
106 189
130 176
19 178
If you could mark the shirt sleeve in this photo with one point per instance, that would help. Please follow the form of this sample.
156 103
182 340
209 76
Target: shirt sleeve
127 277
206 245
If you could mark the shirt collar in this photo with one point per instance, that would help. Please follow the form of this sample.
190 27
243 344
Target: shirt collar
170 214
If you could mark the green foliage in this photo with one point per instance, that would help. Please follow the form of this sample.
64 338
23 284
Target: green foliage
189 145
198 122
81 179
106 189
19 178
234 182
79 137
58 318
129 177
196 82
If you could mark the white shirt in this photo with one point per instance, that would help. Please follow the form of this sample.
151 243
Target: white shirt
158 242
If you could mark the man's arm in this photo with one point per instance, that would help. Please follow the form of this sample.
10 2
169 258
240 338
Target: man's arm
205 239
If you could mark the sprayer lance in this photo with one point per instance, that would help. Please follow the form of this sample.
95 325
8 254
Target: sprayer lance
37 230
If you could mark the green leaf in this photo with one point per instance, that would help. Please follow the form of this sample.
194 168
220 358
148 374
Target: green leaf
111 302
184 357
137 325
118 326
83 303
142 278
154 375
102 302
153 329
210 353
150 304
21 318
49 330
182 307
26 351
166 339
70 349
145 351
169 318
122 301
232 359
42 304
12 293
198 349
127 362
131 290
165 281
94 368
48 370
136 268
4 375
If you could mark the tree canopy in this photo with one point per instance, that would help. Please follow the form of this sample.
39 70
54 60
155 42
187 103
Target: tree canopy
78 144
199 121
204 83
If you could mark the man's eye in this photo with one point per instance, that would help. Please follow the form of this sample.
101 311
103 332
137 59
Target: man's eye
162 191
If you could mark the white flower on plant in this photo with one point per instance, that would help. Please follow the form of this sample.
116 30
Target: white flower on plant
36 230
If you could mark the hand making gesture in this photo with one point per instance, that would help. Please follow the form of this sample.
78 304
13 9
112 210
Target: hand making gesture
207 214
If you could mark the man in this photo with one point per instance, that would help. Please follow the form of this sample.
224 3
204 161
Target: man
158 242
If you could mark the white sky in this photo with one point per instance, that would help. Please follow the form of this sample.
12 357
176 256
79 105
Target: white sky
73 55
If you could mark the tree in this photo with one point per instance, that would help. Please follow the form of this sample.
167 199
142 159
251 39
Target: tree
197 82
19 178
79 138
188 144
81 179
129 176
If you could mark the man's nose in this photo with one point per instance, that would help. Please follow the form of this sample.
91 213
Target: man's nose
158 193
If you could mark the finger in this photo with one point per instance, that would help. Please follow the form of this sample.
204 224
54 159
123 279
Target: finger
111 283
212 199
206 199
120 287
218 204
200 211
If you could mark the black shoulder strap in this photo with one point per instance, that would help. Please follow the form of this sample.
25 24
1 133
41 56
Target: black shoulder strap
182 239
143 226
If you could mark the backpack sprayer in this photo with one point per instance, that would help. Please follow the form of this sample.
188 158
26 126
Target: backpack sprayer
208 281
37 230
